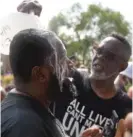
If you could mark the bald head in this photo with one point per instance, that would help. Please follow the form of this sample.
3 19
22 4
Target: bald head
111 57
117 45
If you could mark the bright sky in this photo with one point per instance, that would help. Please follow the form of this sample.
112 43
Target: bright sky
52 7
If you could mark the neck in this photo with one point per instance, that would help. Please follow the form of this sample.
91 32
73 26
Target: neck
103 88
31 91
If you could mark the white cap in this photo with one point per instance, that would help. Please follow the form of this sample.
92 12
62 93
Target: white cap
128 71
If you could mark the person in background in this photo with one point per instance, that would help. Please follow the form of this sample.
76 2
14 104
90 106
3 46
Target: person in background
130 92
6 79
9 87
75 61
82 68
93 99
38 62
124 79
2 94
29 7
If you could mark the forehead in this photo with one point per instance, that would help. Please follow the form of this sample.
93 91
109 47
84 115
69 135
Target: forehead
113 45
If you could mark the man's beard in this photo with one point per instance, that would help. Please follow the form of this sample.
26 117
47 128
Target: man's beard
54 88
102 76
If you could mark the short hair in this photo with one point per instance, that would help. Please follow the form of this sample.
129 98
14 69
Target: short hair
30 48
126 45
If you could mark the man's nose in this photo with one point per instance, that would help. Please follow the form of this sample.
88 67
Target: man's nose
101 57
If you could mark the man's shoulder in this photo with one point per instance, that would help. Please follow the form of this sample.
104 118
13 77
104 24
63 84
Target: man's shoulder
18 122
20 127
81 80
124 101
14 115
14 108
123 97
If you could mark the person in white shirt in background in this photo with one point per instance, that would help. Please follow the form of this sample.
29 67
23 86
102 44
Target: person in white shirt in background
125 78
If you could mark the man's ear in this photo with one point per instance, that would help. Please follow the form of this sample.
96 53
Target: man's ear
123 66
42 74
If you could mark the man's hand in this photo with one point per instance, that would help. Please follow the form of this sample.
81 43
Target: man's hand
125 127
128 122
93 131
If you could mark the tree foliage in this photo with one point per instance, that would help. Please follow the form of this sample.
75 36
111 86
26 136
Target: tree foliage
81 28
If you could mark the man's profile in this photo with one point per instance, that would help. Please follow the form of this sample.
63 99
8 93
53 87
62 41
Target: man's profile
38 71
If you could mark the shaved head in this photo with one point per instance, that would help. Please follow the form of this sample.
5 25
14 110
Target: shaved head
125 51
111 57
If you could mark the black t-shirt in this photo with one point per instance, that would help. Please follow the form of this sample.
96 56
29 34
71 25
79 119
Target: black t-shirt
22 116
81 112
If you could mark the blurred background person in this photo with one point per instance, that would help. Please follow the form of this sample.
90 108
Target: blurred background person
124 80
130 92
2 93
9 87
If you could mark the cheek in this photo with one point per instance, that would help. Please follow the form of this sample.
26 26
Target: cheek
111 67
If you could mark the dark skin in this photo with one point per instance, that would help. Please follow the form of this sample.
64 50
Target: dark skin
38 85
110 61
43 84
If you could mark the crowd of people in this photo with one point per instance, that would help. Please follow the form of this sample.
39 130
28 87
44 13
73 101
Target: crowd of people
50 97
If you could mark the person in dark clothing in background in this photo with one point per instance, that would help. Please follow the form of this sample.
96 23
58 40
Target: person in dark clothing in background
93 99
38 60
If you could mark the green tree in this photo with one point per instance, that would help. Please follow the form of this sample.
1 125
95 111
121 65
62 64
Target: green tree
80 29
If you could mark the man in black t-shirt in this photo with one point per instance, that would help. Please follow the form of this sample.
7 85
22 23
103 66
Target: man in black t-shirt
38 70
94 100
